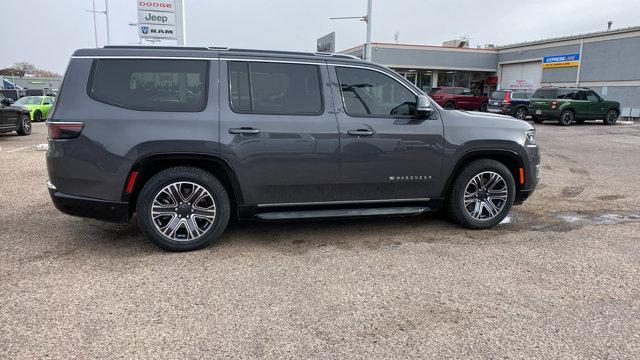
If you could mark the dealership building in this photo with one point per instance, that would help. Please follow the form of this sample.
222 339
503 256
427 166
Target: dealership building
607 62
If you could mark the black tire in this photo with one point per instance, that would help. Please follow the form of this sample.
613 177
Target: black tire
456 209
483 107
520 113
567 118
611 117
37 116
183 174
537 120
449 105
25 125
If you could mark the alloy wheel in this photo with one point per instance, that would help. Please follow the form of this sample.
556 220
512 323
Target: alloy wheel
485 196
521 113
183 211
26 124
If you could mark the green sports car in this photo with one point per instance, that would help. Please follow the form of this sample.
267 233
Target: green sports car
38 106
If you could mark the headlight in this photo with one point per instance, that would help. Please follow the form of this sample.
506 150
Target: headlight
531 136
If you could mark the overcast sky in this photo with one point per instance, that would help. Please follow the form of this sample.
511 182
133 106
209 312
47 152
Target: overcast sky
45 33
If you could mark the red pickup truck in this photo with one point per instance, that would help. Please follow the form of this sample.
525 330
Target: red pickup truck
458 98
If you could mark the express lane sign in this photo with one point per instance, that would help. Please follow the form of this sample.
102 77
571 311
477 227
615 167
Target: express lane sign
561 61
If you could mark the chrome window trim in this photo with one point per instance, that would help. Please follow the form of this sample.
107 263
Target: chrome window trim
344 202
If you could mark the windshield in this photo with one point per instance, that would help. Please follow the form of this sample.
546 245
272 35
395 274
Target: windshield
498 95
28 100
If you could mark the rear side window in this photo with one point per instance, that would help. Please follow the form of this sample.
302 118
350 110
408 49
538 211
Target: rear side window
275 88
498 95
152 85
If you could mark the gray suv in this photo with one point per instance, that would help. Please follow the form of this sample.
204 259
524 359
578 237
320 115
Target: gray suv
187 138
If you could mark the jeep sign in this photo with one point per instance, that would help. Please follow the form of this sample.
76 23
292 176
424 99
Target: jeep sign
156 17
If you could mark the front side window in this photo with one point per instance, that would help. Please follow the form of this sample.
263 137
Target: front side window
275 88
370 93
156 85
592 97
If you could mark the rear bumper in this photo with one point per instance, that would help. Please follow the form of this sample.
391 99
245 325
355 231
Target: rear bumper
499 110
544 113
88 207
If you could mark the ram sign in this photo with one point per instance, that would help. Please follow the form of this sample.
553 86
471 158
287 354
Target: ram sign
157 19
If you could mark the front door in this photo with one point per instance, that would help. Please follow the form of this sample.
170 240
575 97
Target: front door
279 131
595 108
386 152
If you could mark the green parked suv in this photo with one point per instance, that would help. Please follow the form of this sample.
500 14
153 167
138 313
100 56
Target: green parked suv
569 105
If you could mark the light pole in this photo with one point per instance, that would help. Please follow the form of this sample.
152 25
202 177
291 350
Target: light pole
367 19
95 26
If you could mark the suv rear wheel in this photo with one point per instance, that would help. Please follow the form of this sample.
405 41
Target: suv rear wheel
567 118
449 105
183 208
482 194
611 117
521 113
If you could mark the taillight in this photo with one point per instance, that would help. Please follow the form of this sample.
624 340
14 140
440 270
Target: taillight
64 130
507 98
554 104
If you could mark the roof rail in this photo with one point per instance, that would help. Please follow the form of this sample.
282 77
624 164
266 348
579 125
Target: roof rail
346 56
154 47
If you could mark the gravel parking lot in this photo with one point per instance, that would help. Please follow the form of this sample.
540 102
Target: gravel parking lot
560 280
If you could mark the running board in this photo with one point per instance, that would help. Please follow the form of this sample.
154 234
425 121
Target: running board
341 213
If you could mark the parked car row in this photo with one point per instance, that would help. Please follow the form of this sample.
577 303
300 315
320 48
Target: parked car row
567 105
16 94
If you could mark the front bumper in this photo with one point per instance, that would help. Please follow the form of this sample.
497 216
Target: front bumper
89 207
532 174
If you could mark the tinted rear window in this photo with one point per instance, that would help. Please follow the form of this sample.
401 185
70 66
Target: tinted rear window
521 95
498 95
545 94
272 88
156 85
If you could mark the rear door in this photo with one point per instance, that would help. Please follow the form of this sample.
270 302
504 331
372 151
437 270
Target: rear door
279 131
386 152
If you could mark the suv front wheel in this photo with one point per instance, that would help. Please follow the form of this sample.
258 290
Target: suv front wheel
183 208
611 117
482 194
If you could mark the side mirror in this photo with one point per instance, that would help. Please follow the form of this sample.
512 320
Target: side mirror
423 106
7 101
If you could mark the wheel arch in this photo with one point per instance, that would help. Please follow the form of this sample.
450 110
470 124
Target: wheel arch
148 166
511 159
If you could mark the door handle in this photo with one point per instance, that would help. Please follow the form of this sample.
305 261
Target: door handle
360 132
244 131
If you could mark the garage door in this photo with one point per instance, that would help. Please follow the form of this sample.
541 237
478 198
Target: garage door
521 76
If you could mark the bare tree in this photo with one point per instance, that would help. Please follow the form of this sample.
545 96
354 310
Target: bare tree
25 67
45 73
